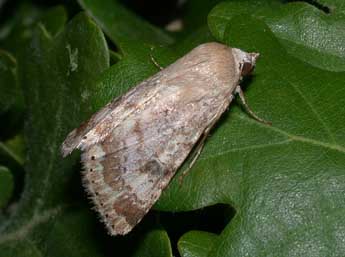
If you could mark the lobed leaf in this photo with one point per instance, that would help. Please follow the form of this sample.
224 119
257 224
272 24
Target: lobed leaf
154 243
122 26
307 32
196 244
59 79
286 181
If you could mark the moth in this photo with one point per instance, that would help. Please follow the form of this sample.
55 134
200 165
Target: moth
134 145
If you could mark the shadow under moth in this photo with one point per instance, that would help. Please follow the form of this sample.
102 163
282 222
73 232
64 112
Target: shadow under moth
134 145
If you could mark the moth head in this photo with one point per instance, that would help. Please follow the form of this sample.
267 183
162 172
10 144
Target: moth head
246 61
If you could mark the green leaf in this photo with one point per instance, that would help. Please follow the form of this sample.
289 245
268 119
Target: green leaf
14 36
154 243
122 26
20 248
196 244
24 17
195 14
306 32
6 186
59 79
19 29
73 235
11 95
53 19
286 181
13 149
65 61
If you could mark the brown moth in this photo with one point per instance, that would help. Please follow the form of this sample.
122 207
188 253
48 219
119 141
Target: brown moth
134 145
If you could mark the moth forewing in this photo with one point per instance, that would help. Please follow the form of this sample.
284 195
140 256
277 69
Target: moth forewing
134 146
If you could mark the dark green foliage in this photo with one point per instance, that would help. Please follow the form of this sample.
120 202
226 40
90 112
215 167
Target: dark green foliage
286 182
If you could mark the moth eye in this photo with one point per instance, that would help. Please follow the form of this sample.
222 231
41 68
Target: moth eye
84 137
91 170
92 157
246 68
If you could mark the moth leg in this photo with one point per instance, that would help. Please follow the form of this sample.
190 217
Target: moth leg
154 61
198 150
239 91
201 143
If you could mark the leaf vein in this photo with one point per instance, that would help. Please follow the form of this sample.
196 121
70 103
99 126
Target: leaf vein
332 146
26 228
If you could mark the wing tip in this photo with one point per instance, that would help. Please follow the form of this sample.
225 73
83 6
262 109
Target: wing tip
65 150
119 229
70 143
